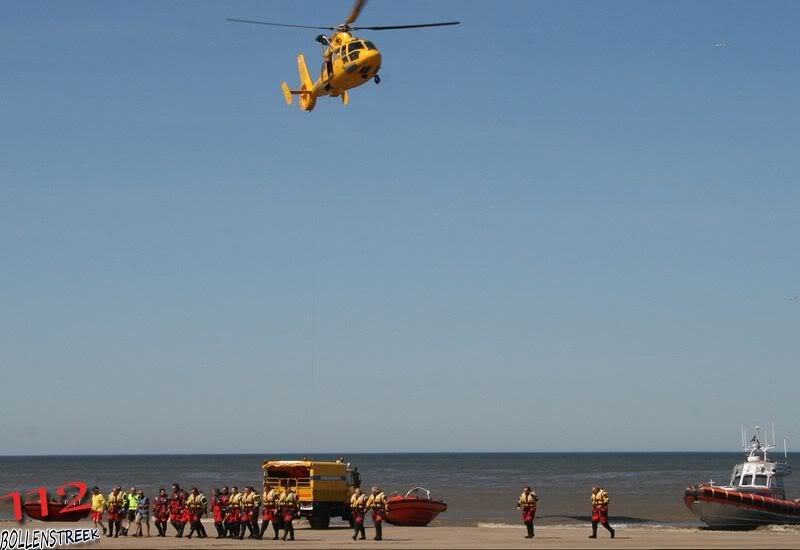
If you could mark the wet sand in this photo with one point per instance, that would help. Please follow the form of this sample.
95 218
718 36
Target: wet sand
462 537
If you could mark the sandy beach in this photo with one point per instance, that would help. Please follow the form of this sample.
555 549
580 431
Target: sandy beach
467 537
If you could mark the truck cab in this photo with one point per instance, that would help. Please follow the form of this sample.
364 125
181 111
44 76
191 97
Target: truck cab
323 488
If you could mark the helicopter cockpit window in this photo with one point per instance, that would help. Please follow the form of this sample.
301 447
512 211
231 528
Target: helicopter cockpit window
370 45
352 46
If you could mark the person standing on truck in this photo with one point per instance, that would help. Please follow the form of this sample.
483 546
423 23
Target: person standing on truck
527 503
377 503
269 502
358 509
600 502
288 510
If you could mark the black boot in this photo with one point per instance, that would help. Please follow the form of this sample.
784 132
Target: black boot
610 530
594 530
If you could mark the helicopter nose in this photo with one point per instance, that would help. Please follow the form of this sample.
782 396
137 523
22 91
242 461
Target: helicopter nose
372 59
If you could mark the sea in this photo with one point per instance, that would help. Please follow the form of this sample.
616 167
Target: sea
480 489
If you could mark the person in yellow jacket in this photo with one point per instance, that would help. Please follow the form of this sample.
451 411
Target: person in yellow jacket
358 509
198 505
288 503
527 503
235 506
98 505
131 506
249 505
115 505
377 503
600 502
269 501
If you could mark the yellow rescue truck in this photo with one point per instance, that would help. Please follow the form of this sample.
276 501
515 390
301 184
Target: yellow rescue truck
323 488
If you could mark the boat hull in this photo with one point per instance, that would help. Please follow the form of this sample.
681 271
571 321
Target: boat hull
721 508
55 513
410 511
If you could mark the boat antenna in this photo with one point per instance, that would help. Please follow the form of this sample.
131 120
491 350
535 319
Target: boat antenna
774 441
744 445
785 450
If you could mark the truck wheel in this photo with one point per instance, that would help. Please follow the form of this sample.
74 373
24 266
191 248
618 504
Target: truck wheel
320 520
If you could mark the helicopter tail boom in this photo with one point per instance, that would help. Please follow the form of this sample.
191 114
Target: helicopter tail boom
307 97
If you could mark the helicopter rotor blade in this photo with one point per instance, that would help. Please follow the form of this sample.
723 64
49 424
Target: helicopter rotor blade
278 24
395 27
359 5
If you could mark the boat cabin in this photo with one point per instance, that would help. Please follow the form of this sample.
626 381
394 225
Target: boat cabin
760 474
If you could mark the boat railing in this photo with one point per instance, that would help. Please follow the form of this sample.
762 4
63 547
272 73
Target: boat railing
419 489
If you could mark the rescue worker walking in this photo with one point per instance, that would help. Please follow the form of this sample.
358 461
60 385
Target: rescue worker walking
115 504
197 505
176 505
161 512
358 509
233 517
527 503
377 503
98 505
248 505
600 502
269 502
223 502
288 504
256 510
216 511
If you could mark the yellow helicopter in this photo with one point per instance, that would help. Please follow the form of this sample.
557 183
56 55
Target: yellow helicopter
348 61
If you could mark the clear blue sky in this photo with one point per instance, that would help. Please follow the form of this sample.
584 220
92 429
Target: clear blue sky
558 226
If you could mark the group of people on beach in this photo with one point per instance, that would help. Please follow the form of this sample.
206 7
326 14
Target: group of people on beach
528 500
235 513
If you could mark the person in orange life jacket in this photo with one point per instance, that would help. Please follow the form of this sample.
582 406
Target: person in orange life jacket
527 503
288 503
600 502
115 504
377 503
234 504
197 504
358 509
161 512
269 503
